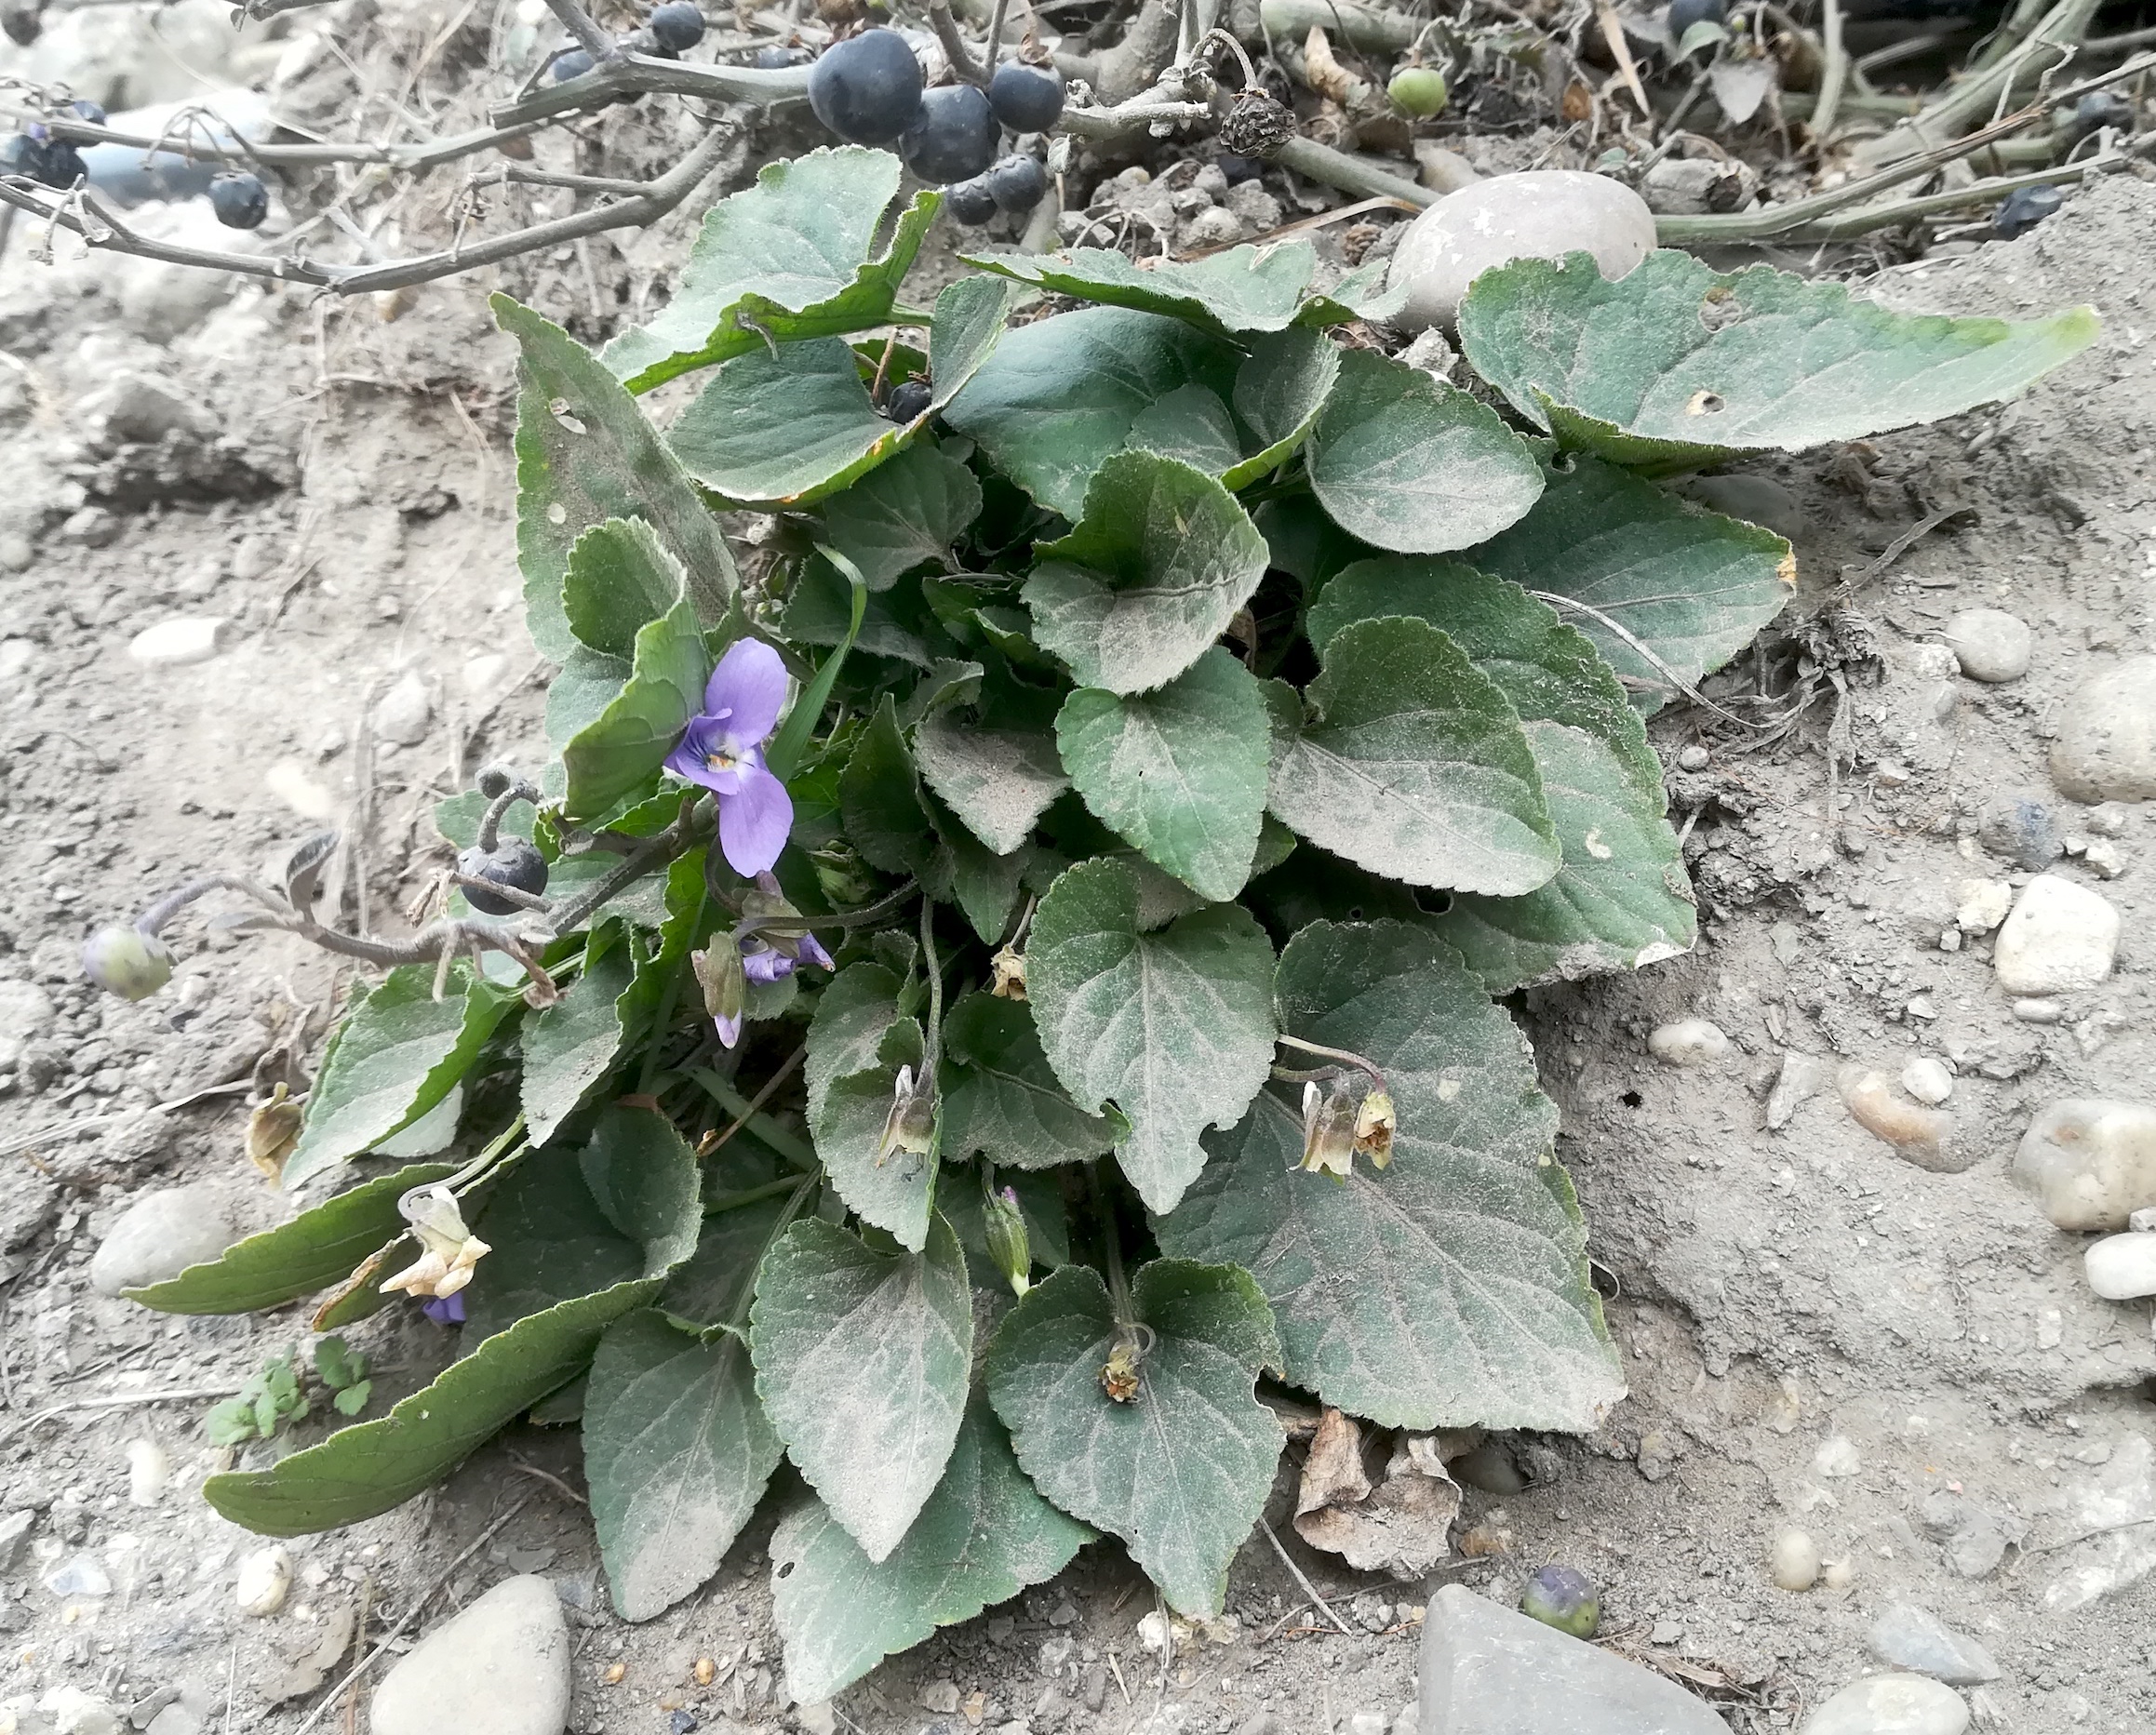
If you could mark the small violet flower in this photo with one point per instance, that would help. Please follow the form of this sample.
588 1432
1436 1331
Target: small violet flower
768 944
444 1310
723 750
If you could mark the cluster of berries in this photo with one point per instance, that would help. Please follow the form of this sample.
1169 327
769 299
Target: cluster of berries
869 90
670 31
240 200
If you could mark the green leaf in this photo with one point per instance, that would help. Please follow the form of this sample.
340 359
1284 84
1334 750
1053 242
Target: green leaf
1676 364
1154 572
397 1052
320 1247
1638 571
862 1361
718 1276
1407 463
1242 288
620 581
1621 899
1451 1288
895 1193
998 780
352 1398
966 871
1413 765
1000 1095
572 1044
880 801
787 428
1179 772
620 752
550 1244
902 516
612 464
1181 1470
790 254
1174 1027
855 1011
1061 396
1039 1195
676 1454
984 1536
642 1175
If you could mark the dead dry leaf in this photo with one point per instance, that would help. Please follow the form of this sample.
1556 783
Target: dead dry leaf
1401 1522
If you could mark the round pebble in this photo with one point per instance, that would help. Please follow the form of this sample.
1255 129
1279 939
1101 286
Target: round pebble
2122 1268
1688 1042
1890 1704
159 1236
500 1667
1837 1457
1989 644
265 1579
1693 759
2105 749
170 644
2090 1162
1795 1561
1534 214
2060 937
1840 1574
1928 1079
148 1471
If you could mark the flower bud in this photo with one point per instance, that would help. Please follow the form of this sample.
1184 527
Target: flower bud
1009 1245
911 1125
1328 1131
128 962
719 972
1563 1597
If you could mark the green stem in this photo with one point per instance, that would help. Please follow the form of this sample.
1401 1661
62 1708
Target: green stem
738 1317
1111 1249
931 1044
753 1195
480 1166
668 999
760 1124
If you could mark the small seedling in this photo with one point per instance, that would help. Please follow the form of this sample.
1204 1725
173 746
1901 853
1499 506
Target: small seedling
344 1371
271 1400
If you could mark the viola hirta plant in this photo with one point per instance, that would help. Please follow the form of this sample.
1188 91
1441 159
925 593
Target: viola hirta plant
1064 897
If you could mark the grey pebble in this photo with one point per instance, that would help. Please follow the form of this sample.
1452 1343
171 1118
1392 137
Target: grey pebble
1890 1704
2019 825
2104 748
1989 644
14 1529
498 1668
159 1236
1913 1639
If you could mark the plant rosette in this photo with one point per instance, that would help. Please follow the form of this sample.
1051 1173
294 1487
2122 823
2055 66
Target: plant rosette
1022 981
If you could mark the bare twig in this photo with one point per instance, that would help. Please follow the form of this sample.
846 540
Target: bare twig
1833 73
954 43
1309 1589
127 1400
580 25
428 155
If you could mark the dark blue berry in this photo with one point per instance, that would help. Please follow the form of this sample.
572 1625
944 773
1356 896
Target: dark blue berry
677 25
952 138
1685 14
1017 182
515 863
1026 99
909 398
2099 109
970 202
37 156
240 201
2023 209
867 89
1239 168
569 64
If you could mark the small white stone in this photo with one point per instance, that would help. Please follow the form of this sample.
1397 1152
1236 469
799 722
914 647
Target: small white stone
2143 1222
289 781
2091 1163
1840 1574
73 1711
1890 1704
817 1719
1928 1079
1693 758
1836 1458
2122 1268
1989 644
482 675
1534 214
265 1579
403 712
2059 938
2106 859
1795 1561
1688 1042
148 1471
1984 905
170 644
1367 1723
2038 1011
2106 819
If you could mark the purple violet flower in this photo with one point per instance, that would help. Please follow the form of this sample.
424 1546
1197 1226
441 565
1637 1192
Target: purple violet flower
447 1310
761 963
722 750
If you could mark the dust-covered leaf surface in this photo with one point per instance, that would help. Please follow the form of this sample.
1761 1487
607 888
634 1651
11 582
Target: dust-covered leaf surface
1180 1469
902 516
1174 1027
1241 290
1412 763
676 1454
1000 1095
1666 592
895 1191
984 1536
1407 463
1450 1289
1180 772
998 780
1152 575
1676 364
570 1047
862 1361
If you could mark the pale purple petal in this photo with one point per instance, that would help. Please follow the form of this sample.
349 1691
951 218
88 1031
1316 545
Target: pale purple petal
812 953
690 757
753 821
446 1310
763 965
747 687
729 1030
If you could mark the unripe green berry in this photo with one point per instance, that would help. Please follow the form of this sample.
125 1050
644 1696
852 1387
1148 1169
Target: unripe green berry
1418 90
1563 1597
128 962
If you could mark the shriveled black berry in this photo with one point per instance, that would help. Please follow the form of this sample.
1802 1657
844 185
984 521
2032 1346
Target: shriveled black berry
2098 109
1685 14
1017 182
569 64
90 113
50 161
1239 168
240 201
1026 99
494 781
515 863
677 25
954 135
2023 209
867 89
970 202
908 399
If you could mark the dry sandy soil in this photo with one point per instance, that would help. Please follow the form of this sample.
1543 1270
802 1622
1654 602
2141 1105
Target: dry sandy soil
338 488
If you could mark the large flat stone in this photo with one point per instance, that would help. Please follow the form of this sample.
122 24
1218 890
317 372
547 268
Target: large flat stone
498 1668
